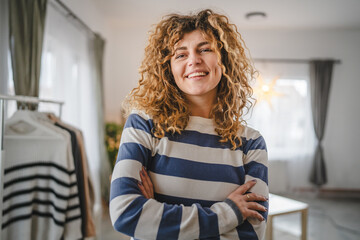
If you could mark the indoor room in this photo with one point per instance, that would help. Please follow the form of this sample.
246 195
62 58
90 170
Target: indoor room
67 71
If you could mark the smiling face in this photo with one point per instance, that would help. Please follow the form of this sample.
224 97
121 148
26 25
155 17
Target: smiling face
195 67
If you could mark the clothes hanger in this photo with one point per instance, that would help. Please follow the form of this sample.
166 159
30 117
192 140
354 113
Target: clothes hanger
26 122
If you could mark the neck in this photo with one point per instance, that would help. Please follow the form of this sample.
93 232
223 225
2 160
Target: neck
200 107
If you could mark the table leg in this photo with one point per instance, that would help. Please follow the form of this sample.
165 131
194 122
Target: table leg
304 224
269 228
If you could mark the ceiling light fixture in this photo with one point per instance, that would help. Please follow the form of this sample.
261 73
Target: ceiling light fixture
255 16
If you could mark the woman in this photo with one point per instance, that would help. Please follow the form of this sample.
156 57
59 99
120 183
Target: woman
208 169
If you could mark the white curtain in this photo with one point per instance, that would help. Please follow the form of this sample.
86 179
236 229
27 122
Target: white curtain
283 116
66 75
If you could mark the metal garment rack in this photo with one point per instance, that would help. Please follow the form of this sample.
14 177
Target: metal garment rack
23 99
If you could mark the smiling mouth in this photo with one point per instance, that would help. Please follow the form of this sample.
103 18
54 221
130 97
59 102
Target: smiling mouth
197 74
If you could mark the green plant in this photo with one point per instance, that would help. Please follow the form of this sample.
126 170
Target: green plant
112 141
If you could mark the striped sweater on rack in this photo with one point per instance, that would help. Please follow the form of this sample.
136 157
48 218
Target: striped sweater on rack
192 175
40 196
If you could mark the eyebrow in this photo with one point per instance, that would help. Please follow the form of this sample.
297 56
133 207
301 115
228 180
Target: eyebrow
184 48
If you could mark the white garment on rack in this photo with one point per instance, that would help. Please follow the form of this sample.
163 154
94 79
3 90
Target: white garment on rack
25 123
40 198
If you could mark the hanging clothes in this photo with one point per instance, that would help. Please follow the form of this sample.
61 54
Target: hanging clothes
86 194
84 181
41 195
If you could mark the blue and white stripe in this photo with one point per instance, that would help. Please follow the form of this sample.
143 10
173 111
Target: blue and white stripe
192 174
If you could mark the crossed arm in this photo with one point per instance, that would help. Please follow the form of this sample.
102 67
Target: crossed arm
137 214
246 203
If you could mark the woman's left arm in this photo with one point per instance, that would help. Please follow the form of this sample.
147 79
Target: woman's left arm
255 160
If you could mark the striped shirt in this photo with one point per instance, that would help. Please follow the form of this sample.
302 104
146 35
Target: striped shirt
192 173
40 194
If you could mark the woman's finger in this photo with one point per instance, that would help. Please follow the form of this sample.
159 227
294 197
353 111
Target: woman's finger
142 189
151 186
148 182
144 183
255 197
256 206
246 186
255 214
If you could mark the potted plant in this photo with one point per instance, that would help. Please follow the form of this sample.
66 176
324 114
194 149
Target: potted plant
112 141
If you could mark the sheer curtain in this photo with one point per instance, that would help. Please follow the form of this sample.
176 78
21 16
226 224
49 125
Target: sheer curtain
283 116
97 50
67 75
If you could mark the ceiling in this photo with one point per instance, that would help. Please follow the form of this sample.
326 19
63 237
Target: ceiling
294 14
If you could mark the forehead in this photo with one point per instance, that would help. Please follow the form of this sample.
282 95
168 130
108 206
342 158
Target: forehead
193 37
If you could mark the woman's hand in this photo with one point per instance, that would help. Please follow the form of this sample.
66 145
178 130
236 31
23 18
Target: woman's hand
146 186
246 202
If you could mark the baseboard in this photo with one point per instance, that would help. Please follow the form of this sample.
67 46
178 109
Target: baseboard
330 192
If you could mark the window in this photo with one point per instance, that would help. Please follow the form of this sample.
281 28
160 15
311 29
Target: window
282 114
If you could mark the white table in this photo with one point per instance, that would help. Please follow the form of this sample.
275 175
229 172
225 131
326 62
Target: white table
280 206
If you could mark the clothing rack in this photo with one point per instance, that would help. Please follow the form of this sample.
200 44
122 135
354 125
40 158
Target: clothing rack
24 99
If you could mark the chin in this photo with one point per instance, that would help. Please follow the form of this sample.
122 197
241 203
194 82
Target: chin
195 93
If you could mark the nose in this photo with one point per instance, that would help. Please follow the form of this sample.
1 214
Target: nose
194 59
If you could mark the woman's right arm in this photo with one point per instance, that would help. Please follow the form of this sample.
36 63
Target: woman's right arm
133 214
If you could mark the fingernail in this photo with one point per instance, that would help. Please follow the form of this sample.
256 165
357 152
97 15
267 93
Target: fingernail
263 219
265 208
140 183
254 180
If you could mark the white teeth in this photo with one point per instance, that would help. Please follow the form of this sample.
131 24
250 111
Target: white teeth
196 74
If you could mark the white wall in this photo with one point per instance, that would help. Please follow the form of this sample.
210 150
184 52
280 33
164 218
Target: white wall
123 61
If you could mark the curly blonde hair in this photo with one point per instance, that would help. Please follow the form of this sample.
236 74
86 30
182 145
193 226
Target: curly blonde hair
158 95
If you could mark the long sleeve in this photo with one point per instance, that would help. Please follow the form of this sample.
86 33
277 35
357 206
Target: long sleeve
132 214
256 167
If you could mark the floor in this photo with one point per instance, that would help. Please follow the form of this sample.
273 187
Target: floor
328 219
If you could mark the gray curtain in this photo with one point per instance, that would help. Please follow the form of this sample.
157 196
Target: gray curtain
98 46
4 47
26 33
320 82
